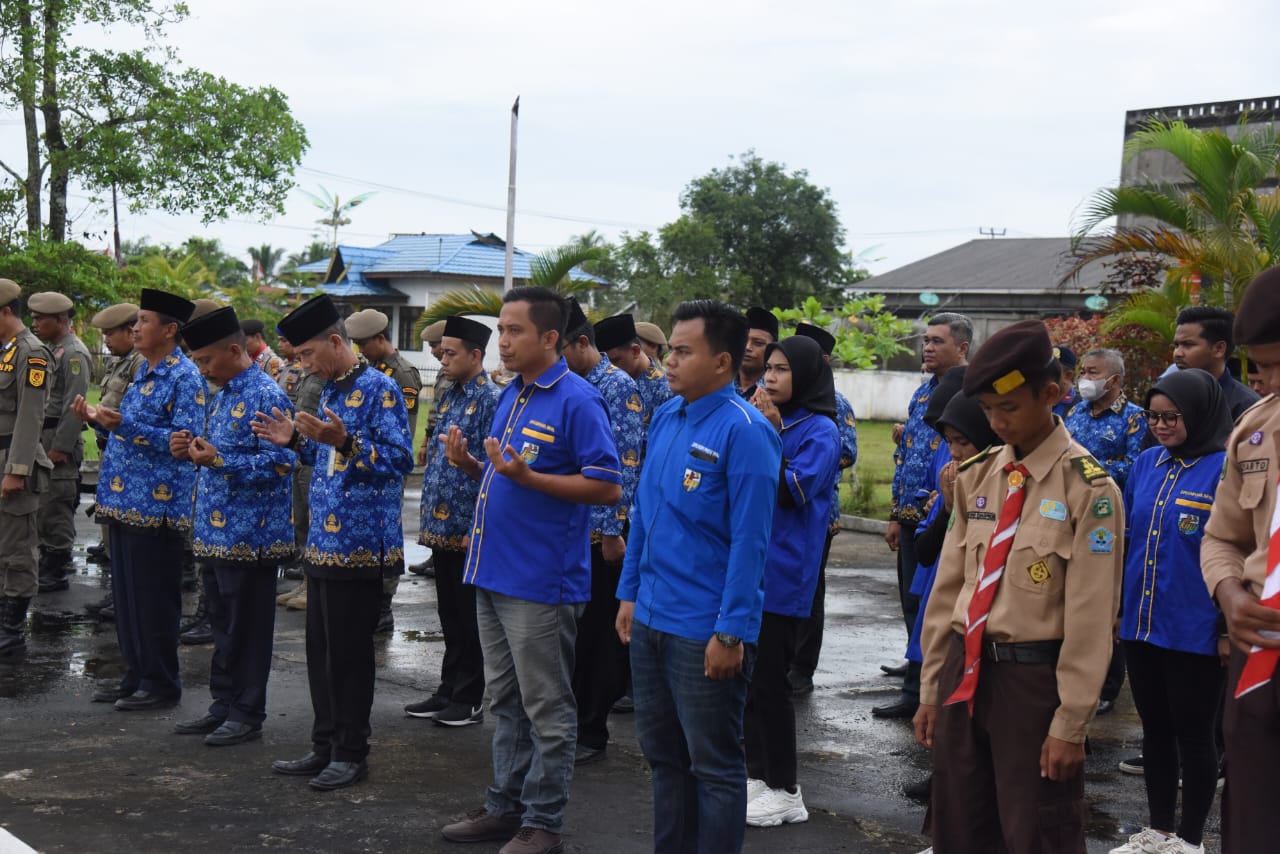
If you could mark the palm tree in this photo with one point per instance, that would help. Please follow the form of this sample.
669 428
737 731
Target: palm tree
266 258
1218 226
335 209
549 270
189 277
316 250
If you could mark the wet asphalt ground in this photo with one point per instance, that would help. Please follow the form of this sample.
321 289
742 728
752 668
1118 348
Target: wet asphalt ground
79 776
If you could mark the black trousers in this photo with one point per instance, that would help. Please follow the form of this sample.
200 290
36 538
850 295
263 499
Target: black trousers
770 720
462 671
341 617
602 666
809 636
908 563
146 583
1115 673
241 598
1177 698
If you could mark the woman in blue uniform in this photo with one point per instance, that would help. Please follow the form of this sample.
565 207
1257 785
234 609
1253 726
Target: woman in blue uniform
1168 621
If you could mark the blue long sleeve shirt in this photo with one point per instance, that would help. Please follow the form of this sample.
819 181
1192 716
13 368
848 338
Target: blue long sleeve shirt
912 456
1167 504
626 416
449 493
1114 437
847 424
701 519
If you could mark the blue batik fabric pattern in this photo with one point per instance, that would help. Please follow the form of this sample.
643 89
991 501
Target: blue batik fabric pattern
449 493
355 500
1114 438
847 423
244 499
654 390
139 481
913 456
626 417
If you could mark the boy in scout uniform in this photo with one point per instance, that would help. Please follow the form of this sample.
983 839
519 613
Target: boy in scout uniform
368 331
24 388
1017 632
1240 559
51 314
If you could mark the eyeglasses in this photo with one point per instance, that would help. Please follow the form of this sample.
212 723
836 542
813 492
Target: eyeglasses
1167 418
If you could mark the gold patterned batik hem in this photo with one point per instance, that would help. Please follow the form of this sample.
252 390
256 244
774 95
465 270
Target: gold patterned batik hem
359 557
244 553
454 543
131 517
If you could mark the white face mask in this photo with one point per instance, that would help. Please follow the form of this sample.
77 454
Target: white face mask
1094 389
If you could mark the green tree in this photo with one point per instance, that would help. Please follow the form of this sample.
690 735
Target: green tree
167 137
266 258
335 210
866 333
316 250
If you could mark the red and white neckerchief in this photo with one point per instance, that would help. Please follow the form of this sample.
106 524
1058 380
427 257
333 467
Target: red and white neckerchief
1261 663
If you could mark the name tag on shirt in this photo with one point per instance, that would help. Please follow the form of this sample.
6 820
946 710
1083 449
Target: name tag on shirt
702 452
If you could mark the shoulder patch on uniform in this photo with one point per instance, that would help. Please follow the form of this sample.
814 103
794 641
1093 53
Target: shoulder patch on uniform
975 459
1089 468
1102 508
37 371
75 367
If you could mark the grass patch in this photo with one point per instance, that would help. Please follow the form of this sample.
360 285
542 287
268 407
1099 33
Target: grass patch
870 491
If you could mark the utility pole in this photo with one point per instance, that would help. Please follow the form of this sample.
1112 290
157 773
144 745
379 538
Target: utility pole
511 200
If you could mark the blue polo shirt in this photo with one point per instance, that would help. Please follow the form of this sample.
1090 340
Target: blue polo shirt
525 543
1167 503
701 519
811 451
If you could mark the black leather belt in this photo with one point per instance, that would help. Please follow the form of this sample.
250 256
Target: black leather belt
1030 652
51 422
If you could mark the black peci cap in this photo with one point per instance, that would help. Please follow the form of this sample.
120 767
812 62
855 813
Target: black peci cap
163 302
309 320
825 339
211 328
466 329
1065 356
1258 318
577 320
1017 354
762 318
616 331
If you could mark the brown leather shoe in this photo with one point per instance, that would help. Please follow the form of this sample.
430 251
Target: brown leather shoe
533 840
480 825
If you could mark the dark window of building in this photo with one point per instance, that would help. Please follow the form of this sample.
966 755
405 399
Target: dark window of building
407 339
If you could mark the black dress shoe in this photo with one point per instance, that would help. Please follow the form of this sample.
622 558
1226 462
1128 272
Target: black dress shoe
52 583
1106 706
900 670
903 708
198 726
197 635
109 694
140 701
920 791
233 732
339 775
307 766
801 685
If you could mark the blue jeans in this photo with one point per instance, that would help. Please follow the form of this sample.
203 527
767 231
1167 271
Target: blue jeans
528 666
690 729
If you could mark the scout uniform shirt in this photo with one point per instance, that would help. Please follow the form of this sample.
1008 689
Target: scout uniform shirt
1239 528
63 431
448 493
117 378
25 364
626 417
912 456
525 543
140 483
1062 577
355 500
1114 438
242 510
407 378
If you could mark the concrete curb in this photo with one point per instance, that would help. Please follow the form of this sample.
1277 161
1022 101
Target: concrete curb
863 525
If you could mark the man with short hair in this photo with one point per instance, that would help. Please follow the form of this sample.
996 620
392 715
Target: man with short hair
146 497
947 338
763 332
448 503
1105 421
62 436
368 331
691 589
360 447
240 530
549 456
1203 339
255 339
25 363
599 676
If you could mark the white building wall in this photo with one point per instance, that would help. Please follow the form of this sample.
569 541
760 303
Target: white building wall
879 395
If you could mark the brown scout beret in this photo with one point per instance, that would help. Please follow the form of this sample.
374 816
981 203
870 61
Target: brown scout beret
1018 354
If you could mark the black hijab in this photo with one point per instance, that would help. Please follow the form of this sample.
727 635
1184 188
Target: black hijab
1204 409
949 385
964 414
812 385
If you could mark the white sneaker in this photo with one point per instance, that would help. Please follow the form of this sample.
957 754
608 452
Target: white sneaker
1177 845
1148 842
776 806
755 788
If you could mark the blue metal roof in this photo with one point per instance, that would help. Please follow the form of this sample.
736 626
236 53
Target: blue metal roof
343 275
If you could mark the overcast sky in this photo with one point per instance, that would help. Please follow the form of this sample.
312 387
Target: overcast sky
926 120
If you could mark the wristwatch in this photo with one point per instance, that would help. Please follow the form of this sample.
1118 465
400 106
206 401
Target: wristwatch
727 640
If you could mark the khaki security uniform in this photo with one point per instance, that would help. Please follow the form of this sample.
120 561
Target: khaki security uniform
303 390
72 367
25 366
1061 583
406 376
1235 545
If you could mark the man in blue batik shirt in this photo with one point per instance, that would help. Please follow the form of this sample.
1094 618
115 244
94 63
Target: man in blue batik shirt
692 582
600 674
549 456
360 448
1067 361
946 345
616 337
241 531
145 496
448 505
1104 421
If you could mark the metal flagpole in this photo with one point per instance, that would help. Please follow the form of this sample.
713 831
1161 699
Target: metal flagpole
511 199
